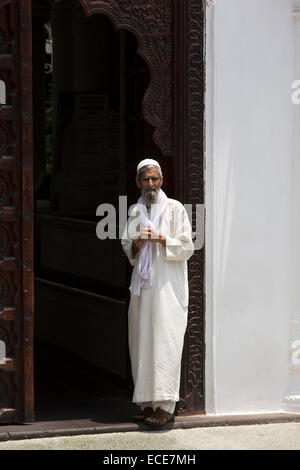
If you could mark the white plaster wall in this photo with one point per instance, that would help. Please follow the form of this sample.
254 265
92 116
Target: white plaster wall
249 196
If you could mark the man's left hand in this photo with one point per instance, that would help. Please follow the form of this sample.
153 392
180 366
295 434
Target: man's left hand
152 236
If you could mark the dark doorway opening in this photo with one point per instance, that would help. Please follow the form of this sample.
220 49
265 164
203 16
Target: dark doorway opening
171 38
89 133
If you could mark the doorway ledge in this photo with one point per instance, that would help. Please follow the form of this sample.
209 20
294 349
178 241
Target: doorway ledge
43 429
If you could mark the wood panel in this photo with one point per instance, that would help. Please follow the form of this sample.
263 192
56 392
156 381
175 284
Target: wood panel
189 89
151 22
16 228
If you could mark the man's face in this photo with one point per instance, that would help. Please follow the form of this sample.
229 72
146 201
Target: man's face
150 182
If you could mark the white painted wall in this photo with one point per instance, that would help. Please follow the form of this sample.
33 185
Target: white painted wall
249 198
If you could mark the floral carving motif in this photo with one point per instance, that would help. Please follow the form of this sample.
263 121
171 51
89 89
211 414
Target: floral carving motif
195 195
153 14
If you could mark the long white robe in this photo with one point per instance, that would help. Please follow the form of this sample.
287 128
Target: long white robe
157 319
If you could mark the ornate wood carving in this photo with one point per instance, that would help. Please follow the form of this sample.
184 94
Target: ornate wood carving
189 129
194 396
152 24
16 228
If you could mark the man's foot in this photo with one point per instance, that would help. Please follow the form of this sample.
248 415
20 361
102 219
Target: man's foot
139 417
160 419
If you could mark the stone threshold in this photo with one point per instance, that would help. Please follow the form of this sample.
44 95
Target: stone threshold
78 427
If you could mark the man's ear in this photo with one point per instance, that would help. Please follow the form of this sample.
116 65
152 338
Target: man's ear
138 182
161 181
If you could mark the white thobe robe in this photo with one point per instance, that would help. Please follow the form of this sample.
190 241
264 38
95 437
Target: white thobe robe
157 318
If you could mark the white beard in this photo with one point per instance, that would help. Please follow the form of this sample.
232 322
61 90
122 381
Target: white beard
150 196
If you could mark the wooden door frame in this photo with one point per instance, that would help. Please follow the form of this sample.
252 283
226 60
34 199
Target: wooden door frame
16 213
171 38
189 141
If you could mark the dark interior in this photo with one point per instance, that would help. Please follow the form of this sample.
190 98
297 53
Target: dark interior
89 134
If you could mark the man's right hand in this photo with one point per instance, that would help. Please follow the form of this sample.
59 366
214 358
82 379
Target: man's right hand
137 243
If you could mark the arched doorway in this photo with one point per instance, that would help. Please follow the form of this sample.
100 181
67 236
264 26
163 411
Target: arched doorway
81 283
165 39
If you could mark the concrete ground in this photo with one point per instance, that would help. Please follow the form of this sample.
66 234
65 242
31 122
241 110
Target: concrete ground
272 436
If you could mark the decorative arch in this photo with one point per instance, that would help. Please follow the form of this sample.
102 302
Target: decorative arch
152 24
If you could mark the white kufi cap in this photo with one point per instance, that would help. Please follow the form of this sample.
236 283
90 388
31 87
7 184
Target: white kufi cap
147 161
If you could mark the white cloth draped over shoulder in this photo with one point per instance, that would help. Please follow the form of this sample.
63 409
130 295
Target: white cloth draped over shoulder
157 318
143 273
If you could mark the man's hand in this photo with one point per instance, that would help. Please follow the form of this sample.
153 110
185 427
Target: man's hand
146 234
137 243
152 236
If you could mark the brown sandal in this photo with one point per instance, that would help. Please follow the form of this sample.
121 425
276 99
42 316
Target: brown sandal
160 418
139 417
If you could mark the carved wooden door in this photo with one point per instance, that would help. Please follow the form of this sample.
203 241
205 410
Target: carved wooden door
170 35
16 227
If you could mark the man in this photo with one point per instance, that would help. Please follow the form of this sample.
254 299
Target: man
158 242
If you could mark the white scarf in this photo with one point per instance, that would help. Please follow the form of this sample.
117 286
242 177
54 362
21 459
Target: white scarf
143 274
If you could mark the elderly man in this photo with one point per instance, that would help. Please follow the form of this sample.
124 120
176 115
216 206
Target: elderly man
158 242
